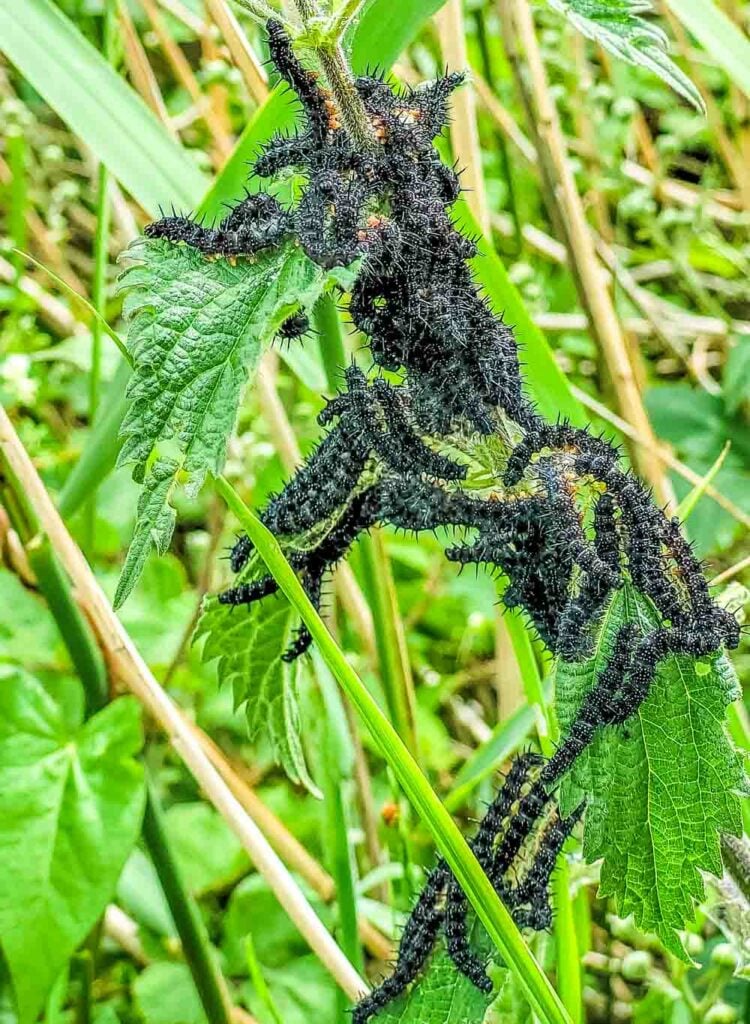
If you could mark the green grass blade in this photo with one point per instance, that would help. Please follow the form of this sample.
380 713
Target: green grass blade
691 499
446 834
102 447
102 109
719 36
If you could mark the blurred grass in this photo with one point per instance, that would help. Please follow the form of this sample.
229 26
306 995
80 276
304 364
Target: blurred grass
681 234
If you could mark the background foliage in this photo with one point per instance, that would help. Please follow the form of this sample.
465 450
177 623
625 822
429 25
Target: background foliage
162 94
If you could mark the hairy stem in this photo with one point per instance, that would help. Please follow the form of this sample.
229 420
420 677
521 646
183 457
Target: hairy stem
341 80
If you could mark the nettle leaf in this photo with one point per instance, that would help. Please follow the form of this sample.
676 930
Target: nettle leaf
248 641
71 805
442 995
617 26
662 787
197 329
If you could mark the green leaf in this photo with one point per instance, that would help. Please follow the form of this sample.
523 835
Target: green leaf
98 105
71 803
249 642
662 787
302 991
442 995
165 994
154 524
197 327
617 26
209 855
736 383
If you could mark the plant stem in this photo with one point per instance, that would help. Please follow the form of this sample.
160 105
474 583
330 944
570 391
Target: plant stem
332 349
263 13
101 449
349 12
446 834
393 660
75 631
336 763
354 117
190 928
99 287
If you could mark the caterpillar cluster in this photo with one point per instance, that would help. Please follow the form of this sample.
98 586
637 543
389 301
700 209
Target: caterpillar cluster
521 813
416 302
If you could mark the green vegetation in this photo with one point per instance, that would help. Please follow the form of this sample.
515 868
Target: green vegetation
193 829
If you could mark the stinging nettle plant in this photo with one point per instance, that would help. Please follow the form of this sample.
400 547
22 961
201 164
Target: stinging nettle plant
442 435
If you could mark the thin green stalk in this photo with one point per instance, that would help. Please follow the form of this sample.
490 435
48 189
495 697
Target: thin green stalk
507 737
569 979
190 928
448 839
101 449
533 687
75 631
83 303
55 587
99 287
331 341
336 764
262 13
259 981
347 14
393 660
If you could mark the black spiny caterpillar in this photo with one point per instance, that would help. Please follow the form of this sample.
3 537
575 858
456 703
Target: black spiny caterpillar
417 303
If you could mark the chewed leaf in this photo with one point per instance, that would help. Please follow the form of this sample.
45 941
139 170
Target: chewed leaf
662 788
617 26
197 329
249 641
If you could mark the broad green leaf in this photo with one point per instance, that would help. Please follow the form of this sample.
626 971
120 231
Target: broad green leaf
661 788
165 993
384 29
209 855
510 1005
197 328
253 911
301 991
249 642
98 105
71 803
617 26
719 36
